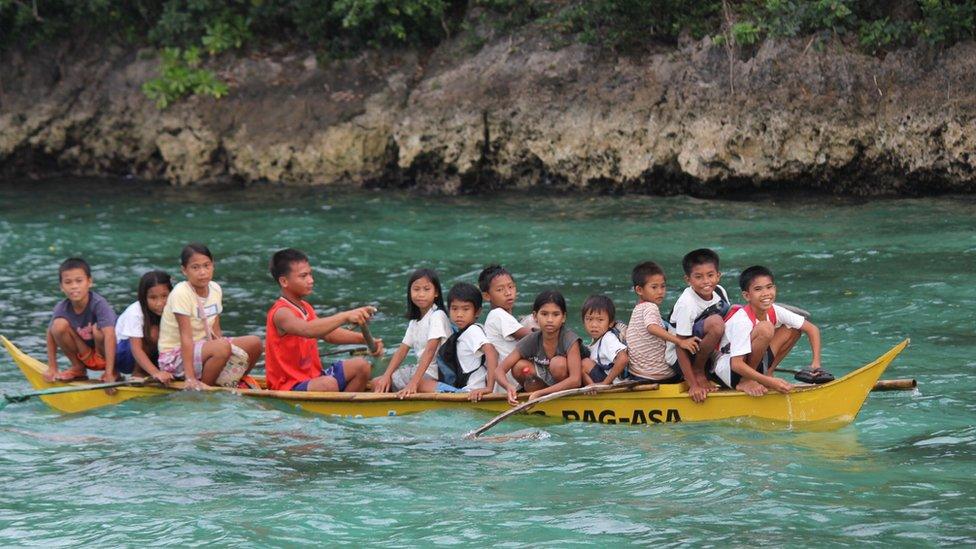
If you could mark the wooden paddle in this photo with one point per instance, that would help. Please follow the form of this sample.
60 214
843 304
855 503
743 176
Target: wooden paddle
589 389
370 342
906 384
72 389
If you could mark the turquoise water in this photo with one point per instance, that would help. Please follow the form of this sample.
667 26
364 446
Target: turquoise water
193 469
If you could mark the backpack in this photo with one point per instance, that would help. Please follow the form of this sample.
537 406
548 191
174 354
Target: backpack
720 308
448 366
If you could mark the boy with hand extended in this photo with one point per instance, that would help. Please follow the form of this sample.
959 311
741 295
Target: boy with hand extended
293 330
466 361
759 335
502 328
82 327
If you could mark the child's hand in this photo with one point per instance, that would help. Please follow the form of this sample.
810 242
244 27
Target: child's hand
410 389
475 396
361 315
382 384
108 378
51 374
163 377
780 385
690 344
513 396
535 394
379 347
697 392
195 385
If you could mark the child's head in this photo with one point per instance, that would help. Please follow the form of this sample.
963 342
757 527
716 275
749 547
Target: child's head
549 310
154 288
598 315
291 270
758 287
649 282
498 286
702 271
464 303
74 277
423 292
197 264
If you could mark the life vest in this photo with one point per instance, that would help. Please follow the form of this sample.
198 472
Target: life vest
448 365
770 314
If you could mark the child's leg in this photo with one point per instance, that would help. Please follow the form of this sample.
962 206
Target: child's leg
213 356
524 373
323 383
251 344
559 368
762 334
427 385
713 328
784 338
71 345
357 371
587 364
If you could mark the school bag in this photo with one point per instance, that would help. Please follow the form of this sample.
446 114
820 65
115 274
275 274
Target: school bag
448 365
721 308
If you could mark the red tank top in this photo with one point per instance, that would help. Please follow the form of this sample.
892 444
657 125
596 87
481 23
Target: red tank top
290 359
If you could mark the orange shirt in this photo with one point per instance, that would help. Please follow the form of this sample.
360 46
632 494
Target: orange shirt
290 359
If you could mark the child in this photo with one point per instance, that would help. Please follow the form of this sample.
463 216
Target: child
82 326
191 343
759 335
137 328
698 313
292 361
466 361
647 338
427 330
503 330
548 360
608 356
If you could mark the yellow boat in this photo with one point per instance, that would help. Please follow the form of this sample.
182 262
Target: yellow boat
814 406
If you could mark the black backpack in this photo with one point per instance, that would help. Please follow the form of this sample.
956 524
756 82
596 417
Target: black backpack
448 365
720 308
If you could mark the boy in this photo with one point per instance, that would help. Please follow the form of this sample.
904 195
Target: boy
759 335
503 330
82 326
647 339
608 356
466 361
698 313
291 346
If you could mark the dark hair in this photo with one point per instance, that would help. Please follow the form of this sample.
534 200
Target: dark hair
282 259
596 304
194 248
73 263
490 273
643 271
413 312
549 296
149 318
752 273
701 256
462 291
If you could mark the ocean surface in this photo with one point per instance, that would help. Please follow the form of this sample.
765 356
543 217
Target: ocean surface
193 469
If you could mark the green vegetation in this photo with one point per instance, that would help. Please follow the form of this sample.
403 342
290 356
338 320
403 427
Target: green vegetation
182 29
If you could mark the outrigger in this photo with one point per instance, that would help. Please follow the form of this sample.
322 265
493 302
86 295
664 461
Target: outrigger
829 405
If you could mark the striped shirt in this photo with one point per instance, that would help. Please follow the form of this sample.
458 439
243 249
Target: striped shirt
646 351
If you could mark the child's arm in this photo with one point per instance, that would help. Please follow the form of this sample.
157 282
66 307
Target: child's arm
521 332
619 363
491 364
108 335
52 356
215 328
382 383
142 359
425 359
813 334
501 374
689 344
572 380
740 367
186 351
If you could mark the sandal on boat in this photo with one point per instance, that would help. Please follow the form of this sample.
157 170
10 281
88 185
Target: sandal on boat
817 377
71 375
248 382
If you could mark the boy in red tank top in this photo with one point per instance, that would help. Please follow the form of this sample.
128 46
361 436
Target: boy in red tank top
292 361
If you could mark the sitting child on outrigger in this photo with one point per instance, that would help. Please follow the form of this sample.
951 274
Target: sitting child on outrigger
137 328
548 360
608 357
466 362
758 336
293 330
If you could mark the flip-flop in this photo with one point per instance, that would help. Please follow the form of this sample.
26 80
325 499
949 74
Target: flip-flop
75 376
817 377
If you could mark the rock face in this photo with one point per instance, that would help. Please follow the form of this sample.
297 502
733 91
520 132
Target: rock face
517 113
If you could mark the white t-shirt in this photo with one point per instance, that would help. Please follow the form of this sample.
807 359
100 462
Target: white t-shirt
469 355
129 323
604 350
737 340
500 328
688 307
434 325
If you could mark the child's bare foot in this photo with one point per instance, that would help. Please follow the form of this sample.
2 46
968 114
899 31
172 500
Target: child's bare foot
750 387
707 383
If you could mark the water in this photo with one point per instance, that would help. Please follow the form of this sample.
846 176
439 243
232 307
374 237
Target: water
193 469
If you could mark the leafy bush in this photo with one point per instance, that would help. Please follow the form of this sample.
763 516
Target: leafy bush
181 75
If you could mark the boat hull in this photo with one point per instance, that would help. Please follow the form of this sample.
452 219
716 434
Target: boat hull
825 406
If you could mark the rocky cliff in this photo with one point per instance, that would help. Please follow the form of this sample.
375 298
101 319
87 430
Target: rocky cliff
519 112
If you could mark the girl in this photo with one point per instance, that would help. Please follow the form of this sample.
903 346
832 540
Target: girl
427 330
191 343
608 357
137 328
547 360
